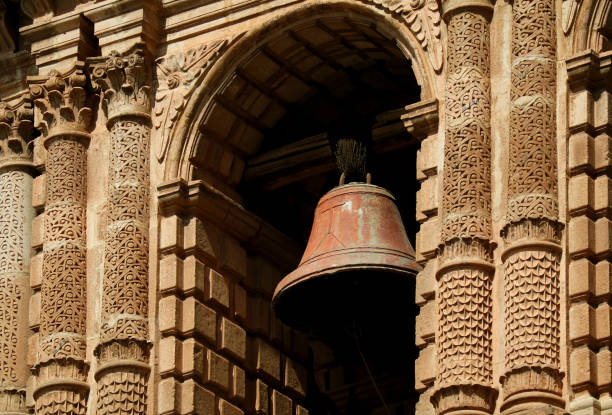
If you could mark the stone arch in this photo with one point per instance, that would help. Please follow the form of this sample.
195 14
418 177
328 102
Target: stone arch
405 28
593 27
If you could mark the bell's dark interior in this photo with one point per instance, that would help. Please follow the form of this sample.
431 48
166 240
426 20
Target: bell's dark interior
366 318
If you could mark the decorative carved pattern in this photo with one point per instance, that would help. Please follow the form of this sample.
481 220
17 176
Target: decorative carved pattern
62 104
64 114
123 352
178 75
464 374
124 82
532 233
423 19
16 122
15 158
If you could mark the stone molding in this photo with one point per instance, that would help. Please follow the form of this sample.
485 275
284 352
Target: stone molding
63 116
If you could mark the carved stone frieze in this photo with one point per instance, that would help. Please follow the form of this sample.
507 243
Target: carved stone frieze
423 18
63 115
123 352
177 77
464 372
532 233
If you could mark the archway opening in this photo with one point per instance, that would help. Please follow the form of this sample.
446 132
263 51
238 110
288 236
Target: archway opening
264 142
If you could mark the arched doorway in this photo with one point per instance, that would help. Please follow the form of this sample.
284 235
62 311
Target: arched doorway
259 136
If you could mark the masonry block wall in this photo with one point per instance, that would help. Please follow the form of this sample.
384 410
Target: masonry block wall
220 345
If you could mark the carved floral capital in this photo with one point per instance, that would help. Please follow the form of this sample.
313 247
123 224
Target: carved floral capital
124 80
63 104
16 128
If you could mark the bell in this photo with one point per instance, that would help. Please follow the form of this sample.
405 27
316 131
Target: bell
358 262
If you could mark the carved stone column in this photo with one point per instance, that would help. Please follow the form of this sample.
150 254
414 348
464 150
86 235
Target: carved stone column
63 115
532 234
123 352
15 230
464 375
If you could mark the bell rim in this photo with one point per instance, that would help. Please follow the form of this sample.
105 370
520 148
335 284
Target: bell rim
352 188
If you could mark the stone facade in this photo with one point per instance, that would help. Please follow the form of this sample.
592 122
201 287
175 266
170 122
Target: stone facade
160 162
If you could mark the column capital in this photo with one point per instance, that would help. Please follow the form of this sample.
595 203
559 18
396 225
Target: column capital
124 81
63 103
16 128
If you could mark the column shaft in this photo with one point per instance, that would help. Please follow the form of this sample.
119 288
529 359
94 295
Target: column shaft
15 231
532 233
123 352
463 338
63 116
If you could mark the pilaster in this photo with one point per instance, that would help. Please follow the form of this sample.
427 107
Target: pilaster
123 353
464 375
16 129
63 115
532 234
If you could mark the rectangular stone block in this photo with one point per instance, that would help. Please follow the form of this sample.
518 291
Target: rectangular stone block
602 323
196 400
602 110
168 396
604 368
203 240
233 339
581 323
428 239
170 356
268 359
199 320
193 362
281 404
603 237
603 280
238 383
258 315
602 152
427 198
581 155
36 271
32 349
602 204
425 368
581 237
581 198
38 224
39 192
427 158
582 368
218 372
217 290
34 311
300 410
295 377
226 408
426 284
426 324
581 278
170 309
581 109
261 397
170 233
170 273
193 281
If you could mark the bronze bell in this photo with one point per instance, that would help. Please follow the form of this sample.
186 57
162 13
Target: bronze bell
358 260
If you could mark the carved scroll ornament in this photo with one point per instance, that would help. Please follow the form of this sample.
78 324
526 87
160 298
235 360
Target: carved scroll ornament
423 19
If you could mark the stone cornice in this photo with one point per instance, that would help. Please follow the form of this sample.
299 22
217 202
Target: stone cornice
199 199
125 82
421 118
63 104
589 69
